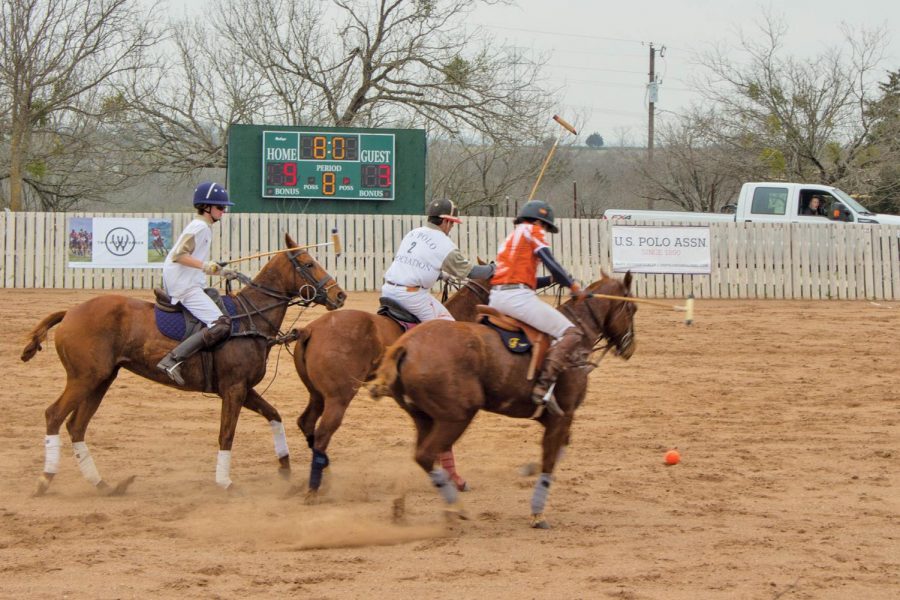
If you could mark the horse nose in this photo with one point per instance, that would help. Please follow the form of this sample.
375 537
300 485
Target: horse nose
341 297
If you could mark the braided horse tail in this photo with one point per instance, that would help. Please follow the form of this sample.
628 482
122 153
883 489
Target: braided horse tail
386 383
39 334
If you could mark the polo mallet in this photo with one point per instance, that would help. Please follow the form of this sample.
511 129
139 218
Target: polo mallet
335 241
567 127
687 308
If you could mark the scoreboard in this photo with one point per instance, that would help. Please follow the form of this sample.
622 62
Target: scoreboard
304 169
336 165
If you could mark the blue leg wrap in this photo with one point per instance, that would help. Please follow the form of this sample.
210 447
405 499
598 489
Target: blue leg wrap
441 481
541 491
319 462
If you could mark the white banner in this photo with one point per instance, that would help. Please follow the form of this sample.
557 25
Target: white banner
128 243
661 249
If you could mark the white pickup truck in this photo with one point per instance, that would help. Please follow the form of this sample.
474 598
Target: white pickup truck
771 202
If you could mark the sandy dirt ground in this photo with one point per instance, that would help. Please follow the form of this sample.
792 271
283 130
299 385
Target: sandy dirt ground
786 415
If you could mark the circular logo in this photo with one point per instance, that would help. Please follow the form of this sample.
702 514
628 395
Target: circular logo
119 241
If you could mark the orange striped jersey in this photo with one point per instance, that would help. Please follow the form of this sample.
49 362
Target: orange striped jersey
517 259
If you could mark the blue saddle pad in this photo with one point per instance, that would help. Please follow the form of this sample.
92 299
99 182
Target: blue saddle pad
174 325
516 342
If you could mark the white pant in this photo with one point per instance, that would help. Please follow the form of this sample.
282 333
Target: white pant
525 305
201 306
420 303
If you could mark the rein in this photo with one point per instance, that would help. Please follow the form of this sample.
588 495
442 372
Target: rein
316 291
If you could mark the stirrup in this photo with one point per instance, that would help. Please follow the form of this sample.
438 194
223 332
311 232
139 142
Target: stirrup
547 401
173 371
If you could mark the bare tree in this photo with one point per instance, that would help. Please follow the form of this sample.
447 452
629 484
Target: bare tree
177 114
802 119
57 61
691 169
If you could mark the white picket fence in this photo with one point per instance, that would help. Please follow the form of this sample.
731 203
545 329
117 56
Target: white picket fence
749 260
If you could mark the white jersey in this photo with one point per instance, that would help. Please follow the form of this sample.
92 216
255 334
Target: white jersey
420 257
195 240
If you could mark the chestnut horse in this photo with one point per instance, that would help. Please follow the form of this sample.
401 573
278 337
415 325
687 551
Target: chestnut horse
98 337
443 373
338 352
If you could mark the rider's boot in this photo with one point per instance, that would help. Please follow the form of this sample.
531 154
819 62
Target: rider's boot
205 338
568 351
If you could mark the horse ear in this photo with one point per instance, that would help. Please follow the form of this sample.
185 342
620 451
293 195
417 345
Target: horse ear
627 281
603 274
480 260
289 241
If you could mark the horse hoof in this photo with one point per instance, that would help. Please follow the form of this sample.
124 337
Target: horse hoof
42 487
284 473
539 522
119 489
311 497
463 486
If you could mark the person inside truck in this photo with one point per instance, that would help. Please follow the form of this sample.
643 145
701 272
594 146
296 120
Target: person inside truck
814 207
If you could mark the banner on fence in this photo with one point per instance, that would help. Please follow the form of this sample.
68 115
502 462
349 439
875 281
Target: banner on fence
660 249
106 242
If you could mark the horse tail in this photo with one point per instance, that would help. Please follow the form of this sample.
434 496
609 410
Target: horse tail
39 334
386 379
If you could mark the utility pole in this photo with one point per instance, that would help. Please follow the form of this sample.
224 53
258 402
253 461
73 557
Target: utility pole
652 96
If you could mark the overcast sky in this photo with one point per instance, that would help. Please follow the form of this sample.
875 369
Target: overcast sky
599 51
600 57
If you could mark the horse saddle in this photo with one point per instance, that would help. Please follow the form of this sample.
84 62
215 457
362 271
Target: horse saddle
392 309
177 323
518 337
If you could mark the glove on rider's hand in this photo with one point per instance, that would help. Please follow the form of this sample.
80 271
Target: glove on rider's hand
212 268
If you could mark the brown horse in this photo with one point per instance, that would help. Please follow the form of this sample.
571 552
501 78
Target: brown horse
443 373
98 337
338 352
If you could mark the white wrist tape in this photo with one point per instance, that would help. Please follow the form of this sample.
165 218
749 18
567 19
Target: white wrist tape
86 462
281 445
223 469
52 445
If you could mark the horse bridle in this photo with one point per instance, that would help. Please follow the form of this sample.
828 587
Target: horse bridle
313 292
316 290
621 343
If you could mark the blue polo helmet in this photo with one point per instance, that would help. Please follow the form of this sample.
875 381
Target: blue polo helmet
210 192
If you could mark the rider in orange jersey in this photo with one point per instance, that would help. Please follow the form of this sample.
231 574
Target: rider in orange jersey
513 291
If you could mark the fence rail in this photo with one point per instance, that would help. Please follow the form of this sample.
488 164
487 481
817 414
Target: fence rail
749 260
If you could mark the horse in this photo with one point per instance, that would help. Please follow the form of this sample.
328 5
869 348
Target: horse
102 335
443 373
338 352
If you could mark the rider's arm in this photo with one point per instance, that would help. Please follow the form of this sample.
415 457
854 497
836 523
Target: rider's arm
559 274
456 264
544 281
184 252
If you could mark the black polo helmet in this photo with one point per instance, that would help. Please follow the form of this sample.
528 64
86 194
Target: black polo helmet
538 210
444 209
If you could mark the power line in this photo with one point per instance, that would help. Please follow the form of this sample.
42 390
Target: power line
566 34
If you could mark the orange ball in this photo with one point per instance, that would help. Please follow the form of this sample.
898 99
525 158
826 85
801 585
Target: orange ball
672 457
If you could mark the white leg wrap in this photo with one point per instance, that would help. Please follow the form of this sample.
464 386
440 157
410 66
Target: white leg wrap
52 446
281 446
86 462
561 454
223 469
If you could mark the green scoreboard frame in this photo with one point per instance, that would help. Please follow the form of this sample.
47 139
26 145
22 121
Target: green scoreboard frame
336 170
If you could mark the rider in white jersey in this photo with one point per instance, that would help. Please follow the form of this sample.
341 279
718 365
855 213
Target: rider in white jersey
184 277
423 254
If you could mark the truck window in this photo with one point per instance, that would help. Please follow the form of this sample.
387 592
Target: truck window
769 201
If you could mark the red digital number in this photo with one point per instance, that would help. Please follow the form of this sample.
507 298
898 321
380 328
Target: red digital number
384 176
289 170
